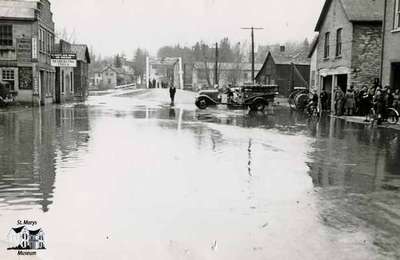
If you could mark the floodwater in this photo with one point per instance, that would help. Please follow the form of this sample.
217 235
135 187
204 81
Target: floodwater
129 177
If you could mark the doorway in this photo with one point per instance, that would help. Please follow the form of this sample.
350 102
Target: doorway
342 82
395 76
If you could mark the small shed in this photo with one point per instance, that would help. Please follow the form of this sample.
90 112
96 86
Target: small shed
285 71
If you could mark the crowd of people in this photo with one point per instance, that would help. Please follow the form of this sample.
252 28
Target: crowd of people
359 102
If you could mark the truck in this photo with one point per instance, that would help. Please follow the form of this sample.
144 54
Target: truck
254 97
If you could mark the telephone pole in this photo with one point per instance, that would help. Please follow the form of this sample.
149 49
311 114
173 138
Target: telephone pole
252 49
216 65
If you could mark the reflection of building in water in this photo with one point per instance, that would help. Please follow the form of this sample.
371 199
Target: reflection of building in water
29 144
354 156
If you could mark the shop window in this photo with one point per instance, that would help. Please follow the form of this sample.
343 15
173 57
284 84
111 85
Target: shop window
6 35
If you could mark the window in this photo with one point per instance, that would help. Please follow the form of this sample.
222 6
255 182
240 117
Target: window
62 82
71 77
6 35
339 42
313 78
326 45
397 15
8 75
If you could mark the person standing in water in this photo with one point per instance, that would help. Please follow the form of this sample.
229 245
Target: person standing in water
172 92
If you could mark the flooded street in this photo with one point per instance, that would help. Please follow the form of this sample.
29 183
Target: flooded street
125 176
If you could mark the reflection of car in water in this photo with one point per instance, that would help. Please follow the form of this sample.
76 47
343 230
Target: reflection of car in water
255 97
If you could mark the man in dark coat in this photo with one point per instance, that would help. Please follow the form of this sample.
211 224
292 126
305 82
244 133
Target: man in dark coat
172 92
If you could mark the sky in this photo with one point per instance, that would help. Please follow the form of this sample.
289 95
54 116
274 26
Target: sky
121 26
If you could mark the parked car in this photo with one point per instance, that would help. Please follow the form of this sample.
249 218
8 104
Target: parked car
7 96
255 97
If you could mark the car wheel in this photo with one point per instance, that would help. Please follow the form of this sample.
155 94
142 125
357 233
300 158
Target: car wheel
258 106
202 103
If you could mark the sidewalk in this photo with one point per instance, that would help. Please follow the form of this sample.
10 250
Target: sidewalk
360 120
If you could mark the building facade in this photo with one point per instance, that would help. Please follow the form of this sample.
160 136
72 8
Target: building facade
350 43
26 42
391 50
81 71
284 71
64 83
313 56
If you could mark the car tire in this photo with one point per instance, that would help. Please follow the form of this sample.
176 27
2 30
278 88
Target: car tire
258 105
202 103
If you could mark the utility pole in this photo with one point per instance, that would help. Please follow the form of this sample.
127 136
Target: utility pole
252 49
216 65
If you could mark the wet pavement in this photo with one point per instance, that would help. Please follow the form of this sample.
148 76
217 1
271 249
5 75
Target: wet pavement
126 176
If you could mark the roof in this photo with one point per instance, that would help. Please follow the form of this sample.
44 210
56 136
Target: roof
82 52
356 11
116 70
228 66
285 59
18 9
34 232
18 229
313 45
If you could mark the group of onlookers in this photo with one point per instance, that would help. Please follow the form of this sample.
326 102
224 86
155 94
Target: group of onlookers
360 102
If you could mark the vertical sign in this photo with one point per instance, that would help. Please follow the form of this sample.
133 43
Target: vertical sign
34 48
24 49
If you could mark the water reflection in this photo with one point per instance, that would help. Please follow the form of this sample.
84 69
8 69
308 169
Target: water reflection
32 144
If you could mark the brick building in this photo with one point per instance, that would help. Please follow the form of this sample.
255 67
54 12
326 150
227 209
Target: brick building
350 43
26 41
285 71
391 51
81 71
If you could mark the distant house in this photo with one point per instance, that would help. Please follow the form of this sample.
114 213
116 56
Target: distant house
350 43
391 48
81 72
23 238
286 71
109 76
202 74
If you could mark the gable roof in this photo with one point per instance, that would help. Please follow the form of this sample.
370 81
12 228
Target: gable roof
284 59
18 229
82 52
313 45
34 232
355 10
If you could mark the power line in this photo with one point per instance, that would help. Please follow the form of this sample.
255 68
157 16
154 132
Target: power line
252 47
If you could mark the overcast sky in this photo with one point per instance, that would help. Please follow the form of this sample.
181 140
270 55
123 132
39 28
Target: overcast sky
113 26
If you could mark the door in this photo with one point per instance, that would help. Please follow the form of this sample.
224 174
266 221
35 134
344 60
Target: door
395 76
58 86
342 82
42 85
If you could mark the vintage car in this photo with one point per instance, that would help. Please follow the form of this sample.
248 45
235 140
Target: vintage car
7 96
255 97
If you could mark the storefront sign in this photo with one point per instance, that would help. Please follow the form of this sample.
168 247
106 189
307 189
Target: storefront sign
63 60
24 49
34 48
